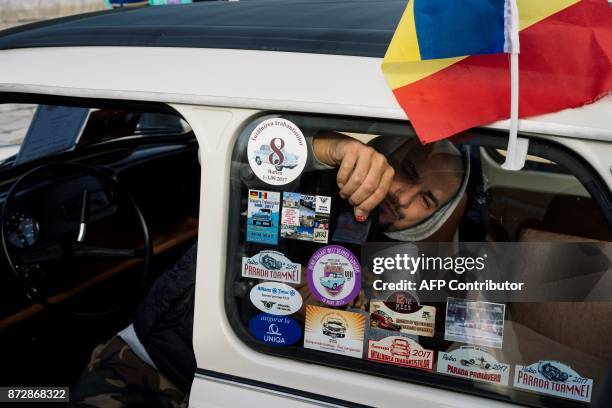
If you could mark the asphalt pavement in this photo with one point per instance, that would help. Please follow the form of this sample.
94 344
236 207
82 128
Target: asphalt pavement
14 122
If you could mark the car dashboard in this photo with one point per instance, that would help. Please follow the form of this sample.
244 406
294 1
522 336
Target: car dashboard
163 177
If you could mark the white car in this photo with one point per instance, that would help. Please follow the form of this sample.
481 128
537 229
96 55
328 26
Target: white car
164 87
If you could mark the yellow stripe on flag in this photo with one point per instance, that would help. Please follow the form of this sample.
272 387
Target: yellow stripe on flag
404 44
402 65
531 12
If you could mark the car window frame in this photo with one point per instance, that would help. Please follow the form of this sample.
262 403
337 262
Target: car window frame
488 138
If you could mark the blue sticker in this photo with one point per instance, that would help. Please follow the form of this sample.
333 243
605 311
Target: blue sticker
262 217
275 330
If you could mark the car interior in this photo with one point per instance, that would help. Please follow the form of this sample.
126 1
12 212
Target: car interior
134 171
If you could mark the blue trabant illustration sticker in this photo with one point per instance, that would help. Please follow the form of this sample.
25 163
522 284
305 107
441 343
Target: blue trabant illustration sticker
262 217
275 330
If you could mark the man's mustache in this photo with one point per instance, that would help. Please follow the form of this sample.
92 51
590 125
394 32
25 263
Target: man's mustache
393 202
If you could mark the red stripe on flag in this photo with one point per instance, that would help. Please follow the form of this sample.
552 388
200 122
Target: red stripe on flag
565 62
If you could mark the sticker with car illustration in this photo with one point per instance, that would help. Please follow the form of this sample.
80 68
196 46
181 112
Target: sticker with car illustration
271 265
334 275
263 217
400 351
475 364
401 312
553 378
277 151
334 331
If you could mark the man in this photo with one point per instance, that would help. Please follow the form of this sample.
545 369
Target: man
416 189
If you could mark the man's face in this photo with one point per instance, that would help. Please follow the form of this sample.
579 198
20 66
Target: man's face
421 185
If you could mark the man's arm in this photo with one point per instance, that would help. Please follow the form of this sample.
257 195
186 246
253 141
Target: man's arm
364 175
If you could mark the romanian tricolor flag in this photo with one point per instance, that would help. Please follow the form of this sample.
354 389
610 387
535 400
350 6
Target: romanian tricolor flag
447 68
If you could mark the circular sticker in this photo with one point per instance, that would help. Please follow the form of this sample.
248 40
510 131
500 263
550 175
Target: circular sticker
334 275
277 151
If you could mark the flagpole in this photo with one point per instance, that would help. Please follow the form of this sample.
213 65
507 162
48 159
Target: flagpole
516 153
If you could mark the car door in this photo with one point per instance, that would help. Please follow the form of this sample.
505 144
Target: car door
236 362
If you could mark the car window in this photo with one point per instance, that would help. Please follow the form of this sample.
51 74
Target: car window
100 125
302 283
14 122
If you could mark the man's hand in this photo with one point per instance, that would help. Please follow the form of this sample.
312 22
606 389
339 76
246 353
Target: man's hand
364 175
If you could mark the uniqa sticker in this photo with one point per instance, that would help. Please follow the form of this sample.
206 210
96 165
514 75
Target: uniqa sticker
334 275
277 151
271 265
334 331
276 298
401 351
475 364
553 378
275 330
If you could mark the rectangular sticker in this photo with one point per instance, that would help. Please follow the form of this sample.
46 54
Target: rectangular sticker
475 364
553 378
305 217
421 322
475 322
401 351
271 265
262 217
334 331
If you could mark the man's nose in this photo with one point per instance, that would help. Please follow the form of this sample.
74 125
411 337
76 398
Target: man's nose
406 194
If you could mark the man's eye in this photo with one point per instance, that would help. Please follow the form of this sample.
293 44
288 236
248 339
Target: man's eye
426 201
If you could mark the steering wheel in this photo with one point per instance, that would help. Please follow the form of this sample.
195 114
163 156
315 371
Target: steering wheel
72 246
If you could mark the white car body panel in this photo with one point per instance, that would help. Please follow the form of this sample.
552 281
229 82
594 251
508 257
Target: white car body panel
332 84
241 84
217 347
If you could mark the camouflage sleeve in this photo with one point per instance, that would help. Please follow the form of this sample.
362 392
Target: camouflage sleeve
116 377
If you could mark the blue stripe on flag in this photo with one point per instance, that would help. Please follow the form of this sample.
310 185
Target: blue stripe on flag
453 28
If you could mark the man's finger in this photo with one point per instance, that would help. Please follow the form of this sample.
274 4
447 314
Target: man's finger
372 181
363 210
359 174
346 168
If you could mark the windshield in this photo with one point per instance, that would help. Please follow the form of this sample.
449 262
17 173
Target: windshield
48 129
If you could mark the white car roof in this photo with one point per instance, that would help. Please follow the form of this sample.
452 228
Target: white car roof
300 62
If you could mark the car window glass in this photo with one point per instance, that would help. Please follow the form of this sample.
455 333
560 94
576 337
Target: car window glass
14 122
517 351
101 125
